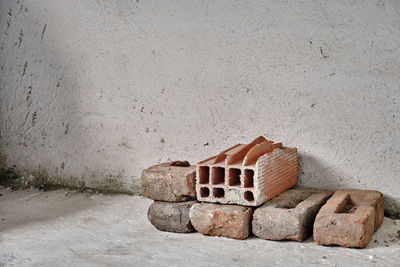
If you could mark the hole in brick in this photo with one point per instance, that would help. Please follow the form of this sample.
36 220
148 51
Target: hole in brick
249 196
218 192
204 174
294 200
248 178
204 192
347 206
218 176
234 177
180 164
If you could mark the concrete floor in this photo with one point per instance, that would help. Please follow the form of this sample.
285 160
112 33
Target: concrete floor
64 228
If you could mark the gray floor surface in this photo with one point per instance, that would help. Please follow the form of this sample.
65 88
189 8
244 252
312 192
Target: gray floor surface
64 228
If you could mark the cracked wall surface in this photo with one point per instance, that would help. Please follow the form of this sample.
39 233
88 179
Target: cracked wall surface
94 91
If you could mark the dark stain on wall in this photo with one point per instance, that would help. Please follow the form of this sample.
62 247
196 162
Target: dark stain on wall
21 35
29 97
44 29
25 66
66 130
34 117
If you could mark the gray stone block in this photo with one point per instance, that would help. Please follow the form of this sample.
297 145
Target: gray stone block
171 216
290 215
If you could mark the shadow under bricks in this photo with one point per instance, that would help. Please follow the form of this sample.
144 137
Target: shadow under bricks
386 235
314 173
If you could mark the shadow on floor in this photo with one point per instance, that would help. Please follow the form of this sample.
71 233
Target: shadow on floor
315 173
23 207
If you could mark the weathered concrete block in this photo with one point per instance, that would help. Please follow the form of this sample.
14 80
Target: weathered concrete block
290 215
171 216
349 218
171 181
247 174
221 220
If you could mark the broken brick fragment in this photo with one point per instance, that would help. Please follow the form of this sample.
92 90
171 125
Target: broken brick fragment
171 181
171 216
290 215
247 174
221 220
349 218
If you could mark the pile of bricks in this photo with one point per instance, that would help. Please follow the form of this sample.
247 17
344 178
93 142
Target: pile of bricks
248 189
172 187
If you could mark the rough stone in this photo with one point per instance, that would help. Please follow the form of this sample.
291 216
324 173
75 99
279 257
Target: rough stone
221 220
171 216
290 215
171 181
349 218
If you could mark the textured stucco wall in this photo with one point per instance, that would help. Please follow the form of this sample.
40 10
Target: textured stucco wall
96 90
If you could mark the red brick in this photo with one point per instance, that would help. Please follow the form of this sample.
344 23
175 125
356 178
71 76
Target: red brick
349 218
171 181
247 174
221 220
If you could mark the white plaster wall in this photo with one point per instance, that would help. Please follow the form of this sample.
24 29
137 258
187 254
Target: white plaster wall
97 90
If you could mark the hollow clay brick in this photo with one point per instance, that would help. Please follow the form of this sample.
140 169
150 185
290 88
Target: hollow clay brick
171 216
247 174
172 181
221 220
349 218
290 215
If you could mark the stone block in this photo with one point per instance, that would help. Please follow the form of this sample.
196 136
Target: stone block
171 181
171 216
349 218
221 220
290 215
247 174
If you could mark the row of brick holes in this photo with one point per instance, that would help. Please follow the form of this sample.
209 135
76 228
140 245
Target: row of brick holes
218 176
220 193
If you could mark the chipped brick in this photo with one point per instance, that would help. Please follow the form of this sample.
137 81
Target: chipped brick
172 181
349 218
247 174
221 220
171 216
290 215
